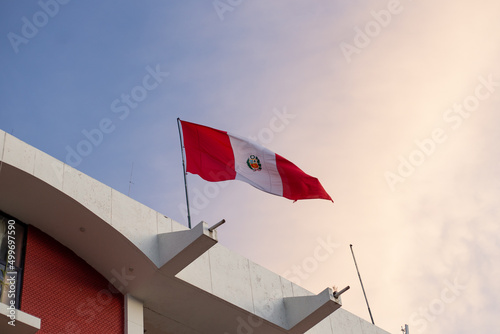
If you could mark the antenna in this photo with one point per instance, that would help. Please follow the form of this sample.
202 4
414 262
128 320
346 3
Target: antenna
130 181
362 287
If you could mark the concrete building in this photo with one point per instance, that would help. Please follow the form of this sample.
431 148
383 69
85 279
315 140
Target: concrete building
80 257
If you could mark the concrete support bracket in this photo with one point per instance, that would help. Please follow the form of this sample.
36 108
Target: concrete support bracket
305 312
178 249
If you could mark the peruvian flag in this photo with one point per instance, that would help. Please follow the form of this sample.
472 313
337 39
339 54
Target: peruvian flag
217 155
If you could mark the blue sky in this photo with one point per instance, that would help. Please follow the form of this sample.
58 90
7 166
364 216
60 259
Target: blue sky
393 105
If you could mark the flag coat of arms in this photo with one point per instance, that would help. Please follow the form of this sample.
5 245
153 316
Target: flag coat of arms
217 155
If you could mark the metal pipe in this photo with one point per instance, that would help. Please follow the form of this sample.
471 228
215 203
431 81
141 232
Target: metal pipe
337 294
211 229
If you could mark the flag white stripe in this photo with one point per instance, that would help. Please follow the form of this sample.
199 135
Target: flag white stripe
268 178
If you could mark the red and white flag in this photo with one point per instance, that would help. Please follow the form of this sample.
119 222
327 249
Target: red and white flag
217 155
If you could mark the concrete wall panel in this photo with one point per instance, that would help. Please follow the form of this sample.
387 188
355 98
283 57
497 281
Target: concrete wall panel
88 191
137 222
299 291
267 295
381 331
164 224
344 322
367 327
324 327
286 287
179 227
49 170
231 277
18 154
198 273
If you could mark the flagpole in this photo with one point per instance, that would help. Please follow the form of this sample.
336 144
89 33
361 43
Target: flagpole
184 172
362 287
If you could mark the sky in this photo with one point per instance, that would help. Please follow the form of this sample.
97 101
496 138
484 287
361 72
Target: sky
392 105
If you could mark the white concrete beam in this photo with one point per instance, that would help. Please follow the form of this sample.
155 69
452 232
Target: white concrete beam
305 312
178 249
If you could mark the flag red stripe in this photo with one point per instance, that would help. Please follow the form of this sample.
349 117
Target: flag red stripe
297 184
208 152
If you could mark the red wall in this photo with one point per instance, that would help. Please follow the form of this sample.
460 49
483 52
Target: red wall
65 292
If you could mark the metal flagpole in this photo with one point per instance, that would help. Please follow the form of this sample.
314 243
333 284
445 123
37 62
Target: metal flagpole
369 311
184 171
